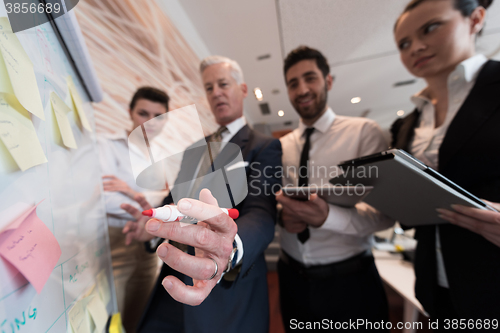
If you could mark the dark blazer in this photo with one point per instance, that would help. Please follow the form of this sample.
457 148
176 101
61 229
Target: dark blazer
469 156
240 305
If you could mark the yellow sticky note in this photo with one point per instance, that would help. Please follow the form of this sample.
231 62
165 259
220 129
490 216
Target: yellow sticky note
18 134
115 326
5 85
78 317
98 312
90 291
61 111
77 103
103 287
20 71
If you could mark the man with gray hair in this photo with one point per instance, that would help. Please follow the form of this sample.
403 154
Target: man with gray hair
239 302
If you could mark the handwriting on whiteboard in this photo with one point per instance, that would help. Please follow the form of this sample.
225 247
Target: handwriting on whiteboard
18 323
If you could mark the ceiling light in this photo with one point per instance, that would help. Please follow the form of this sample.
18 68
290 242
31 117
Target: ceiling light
400 113
355 100
258 94
281 113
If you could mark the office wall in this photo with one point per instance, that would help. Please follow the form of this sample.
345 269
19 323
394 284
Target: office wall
134 43
181 20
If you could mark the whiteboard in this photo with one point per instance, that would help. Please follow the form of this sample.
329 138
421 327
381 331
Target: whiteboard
70 191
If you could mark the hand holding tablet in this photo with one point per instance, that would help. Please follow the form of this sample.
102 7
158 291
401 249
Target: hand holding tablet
345 196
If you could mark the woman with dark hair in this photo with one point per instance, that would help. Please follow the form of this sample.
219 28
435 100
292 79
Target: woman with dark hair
455 130
122 157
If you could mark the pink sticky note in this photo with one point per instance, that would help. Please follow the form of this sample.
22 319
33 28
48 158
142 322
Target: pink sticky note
31 248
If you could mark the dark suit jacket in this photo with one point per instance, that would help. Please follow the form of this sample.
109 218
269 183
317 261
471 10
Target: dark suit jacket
470 157
240 305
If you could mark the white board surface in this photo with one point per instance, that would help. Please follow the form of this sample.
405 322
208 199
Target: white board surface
69 185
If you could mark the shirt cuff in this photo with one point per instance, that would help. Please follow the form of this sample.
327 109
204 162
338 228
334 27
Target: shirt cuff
239 252
339 219
237 256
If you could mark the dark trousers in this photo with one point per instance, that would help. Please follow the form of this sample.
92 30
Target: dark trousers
164 314
448 319
343 297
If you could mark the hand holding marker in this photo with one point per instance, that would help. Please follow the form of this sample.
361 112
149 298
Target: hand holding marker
170 213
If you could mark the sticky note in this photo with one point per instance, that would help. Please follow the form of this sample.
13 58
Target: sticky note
98 312
103 287
17 76
14 215
61 111
18 134
31 248
79 318
115 326
77 104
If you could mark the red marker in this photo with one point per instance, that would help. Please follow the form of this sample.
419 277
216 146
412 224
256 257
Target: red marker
170 213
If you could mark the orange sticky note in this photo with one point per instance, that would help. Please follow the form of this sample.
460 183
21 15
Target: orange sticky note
31 248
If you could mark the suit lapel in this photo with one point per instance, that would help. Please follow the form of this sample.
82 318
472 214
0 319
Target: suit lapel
241 138
190 161
406 129
480 105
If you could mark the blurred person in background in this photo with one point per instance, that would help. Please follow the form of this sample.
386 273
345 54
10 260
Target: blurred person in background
224 285
326 268
134 269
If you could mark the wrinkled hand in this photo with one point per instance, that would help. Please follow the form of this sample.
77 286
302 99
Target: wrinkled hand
112 183
212 238
312 212
136 230
483 222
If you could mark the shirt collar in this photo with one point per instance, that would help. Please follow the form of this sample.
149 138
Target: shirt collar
466 71
236 125
322 124
470 68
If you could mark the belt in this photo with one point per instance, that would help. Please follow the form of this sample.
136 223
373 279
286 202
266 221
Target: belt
345 267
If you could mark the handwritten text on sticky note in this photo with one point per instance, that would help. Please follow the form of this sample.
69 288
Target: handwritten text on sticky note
18 134
32 249
79 318
20 79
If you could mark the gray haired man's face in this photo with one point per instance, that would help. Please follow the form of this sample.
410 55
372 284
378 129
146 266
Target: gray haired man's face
224 94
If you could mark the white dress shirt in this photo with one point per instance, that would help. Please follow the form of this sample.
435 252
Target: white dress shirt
233 128
118 158
428 138
346 231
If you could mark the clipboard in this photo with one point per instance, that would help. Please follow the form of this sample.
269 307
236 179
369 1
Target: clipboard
405 189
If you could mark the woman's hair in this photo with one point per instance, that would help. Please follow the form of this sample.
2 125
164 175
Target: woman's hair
151 94
466 7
